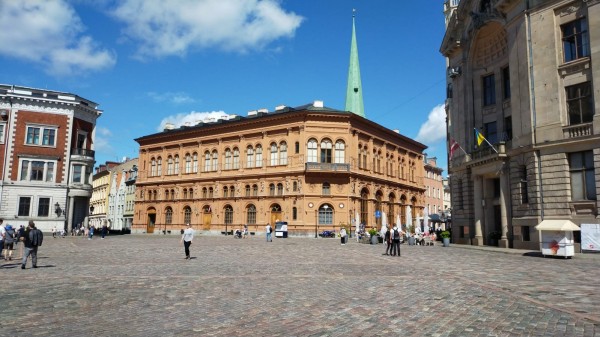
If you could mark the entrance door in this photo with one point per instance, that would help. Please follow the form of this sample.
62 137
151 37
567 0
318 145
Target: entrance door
151 222
206 220
275 216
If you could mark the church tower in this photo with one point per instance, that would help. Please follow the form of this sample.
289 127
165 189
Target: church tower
354 97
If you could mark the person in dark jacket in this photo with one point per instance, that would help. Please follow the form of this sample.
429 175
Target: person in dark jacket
387 239
32 239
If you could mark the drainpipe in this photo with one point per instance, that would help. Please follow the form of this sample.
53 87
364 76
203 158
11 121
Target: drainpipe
533 106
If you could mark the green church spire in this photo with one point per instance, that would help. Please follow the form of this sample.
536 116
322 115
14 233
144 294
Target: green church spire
354 98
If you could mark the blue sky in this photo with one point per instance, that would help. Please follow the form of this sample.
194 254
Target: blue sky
148 62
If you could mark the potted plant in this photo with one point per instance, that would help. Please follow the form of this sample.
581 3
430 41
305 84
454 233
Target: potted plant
373 234
445 238
493 238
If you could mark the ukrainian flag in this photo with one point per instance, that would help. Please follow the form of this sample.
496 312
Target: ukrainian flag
479 137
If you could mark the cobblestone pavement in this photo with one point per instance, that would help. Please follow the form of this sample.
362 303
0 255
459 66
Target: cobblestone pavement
142 286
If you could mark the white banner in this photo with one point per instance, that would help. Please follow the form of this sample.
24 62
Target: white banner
590 236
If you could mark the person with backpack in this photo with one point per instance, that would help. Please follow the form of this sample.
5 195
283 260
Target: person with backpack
269 230
9 242
32 239
395 242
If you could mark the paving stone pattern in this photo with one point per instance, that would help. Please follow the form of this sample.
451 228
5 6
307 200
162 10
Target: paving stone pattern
142 286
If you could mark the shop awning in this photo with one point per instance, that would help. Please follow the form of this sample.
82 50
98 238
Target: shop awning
557 225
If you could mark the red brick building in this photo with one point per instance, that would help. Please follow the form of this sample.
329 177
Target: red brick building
47 156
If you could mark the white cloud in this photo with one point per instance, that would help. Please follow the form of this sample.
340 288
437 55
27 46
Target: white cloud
172 97
49 33
102 141
434 129
173 27
191 118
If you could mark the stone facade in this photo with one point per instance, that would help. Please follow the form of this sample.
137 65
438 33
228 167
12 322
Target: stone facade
520 72
315 167
47 156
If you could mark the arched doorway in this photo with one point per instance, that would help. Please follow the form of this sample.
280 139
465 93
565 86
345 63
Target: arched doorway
364 207
206 217
326 215
151 220
276 214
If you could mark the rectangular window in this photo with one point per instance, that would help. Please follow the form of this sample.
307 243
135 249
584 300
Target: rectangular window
81 141
294 213
24 206
297 147
506 83
491 132
2 125
576 41
489 90
508 128
77 173
41 135
583 184
525 233
580 104
43 206
37 171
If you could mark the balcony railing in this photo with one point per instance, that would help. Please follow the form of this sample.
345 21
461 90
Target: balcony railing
578 130
327 167
82 152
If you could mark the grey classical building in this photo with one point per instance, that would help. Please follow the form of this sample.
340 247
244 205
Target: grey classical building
520 74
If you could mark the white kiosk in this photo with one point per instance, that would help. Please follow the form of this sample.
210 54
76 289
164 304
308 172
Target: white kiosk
556 237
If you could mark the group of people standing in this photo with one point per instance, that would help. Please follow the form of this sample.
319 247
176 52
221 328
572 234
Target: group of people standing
392 241
31 237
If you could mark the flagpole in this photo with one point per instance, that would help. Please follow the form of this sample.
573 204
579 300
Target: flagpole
493 148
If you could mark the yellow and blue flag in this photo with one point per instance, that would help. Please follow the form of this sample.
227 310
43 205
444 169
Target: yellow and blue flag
479 137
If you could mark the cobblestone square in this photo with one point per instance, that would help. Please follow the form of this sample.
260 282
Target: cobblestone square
142 286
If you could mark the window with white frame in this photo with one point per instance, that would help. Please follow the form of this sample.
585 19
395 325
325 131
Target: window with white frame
340 152
2 127
41 135
274 154
215 160
188 163
206 161
43 206
24 206
159 166
153 167
583 182
81 140
227 159
236 158
283 153
176 164
78 173
249 157
36 170
311 152
259 156
169 165
195 163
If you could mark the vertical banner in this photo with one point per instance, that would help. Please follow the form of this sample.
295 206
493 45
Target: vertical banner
590 236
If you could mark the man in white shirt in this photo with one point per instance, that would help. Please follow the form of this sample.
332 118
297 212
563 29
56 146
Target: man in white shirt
186 238
269 231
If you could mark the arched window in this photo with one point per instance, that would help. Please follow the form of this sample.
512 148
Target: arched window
204 192
294 213
364 207
311 152
215 160
236 158
247 190
283 153
185 193
206 161
191 193
251 215
326 151
340 152
169 216
271 189
188 163
249 156
176 168
259 156
274 154
326 189
326 215
172 194
195 163
169 165
210 192
227 159
225 191
167 194
153 167
159 166
228 215
254 190
295 186
187 215
280 189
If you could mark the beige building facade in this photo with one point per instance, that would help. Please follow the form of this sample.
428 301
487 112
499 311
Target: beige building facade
521 74
314 167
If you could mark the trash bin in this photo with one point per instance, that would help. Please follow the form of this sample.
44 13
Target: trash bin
281 229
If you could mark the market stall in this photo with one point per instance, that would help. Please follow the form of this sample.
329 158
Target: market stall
556 237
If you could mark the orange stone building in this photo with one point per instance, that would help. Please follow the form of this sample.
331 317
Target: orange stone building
315 167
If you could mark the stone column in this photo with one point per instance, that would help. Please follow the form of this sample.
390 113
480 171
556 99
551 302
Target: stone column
503 243
70 215
478 209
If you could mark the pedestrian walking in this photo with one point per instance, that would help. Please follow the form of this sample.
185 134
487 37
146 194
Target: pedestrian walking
396 242
91 234
54 232
269 231
104 230
186 238
387 239
2 233
32 240
245 231
9 242
343 235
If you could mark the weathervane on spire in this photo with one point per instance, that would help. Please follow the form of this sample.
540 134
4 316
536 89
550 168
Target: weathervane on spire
353 12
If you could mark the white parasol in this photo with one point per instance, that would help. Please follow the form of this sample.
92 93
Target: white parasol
383 223
426 219
408 216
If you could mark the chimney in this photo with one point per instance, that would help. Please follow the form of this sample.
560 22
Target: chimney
318 104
